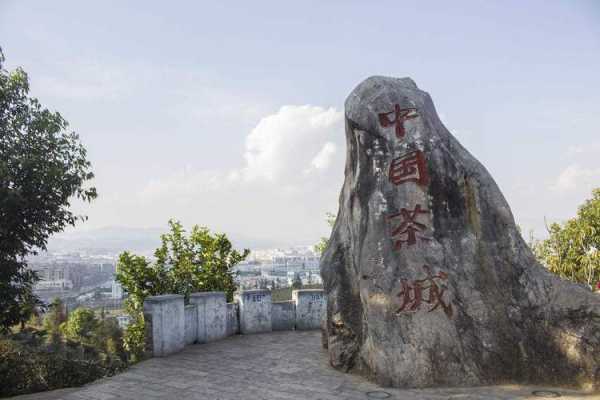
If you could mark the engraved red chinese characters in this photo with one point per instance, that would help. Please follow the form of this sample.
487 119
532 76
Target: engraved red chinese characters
400 115
407 231
409 167
412 293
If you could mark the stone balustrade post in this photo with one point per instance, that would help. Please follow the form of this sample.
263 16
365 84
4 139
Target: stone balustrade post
212 315
165 324
310 307
255 310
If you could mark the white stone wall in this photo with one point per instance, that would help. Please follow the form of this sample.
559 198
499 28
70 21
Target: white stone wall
208 317
310 307
167 317
212 315
255 310
233 321
191 324
283 316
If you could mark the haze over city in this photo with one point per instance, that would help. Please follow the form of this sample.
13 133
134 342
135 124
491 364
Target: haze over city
230 118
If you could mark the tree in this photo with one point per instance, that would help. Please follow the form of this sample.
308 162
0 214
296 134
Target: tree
320 247
296 282
109 337
201 262
53 319
81 326
572 249
31 306
42 166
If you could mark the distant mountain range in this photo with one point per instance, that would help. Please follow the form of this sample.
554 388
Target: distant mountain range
113 240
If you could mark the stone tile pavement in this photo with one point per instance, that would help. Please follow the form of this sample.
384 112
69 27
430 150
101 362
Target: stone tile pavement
274 366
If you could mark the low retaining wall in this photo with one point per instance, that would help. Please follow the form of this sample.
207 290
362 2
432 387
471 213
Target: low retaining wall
171 325
283 316
212 315
166 323
233 319
191 324
255 311
310 306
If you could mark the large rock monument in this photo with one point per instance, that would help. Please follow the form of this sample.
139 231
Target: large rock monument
429 282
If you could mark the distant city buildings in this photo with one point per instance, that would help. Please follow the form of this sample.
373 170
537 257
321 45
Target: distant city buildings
116 290
54 284
88 280
277 268
123 320
71 275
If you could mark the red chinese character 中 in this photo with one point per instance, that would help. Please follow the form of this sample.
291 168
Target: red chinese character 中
407 231
400 115
409 167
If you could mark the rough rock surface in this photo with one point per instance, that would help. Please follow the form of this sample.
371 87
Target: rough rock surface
428 280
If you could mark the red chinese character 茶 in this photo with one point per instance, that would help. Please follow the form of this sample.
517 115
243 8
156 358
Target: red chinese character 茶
407 231
412 293
400 115
409 167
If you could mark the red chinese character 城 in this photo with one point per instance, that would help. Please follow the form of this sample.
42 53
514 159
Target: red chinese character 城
412 293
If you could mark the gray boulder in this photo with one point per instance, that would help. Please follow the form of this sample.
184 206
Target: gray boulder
429 282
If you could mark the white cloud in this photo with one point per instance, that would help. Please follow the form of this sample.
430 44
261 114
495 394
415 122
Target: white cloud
323 159
279 149
576 177
287 179
293 139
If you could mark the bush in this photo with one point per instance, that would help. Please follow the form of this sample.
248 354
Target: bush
84 349
198 262
572 249
28 366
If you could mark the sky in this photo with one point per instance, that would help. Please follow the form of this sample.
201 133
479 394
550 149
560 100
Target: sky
230 114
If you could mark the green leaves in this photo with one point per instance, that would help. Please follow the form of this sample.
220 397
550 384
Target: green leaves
202 261
573 249
81 326
42 165
322 245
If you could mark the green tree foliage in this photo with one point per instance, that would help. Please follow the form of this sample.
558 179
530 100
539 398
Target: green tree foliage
42 166
296 282
81 326
184 264
572 249
109 338
53 319
320 247
67 351
31 306
29 367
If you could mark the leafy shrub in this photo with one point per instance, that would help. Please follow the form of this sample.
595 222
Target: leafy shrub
200 261
30 366
572 249
80 326
84 349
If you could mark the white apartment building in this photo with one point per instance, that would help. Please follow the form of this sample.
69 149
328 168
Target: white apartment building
54 284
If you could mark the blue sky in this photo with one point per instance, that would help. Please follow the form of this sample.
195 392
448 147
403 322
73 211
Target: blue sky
229 114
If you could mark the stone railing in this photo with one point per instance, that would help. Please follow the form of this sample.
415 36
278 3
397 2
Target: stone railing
170 324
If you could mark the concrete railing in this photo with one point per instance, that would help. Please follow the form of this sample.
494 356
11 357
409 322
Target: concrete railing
170 324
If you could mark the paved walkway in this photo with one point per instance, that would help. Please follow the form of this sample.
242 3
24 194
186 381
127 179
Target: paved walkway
273 366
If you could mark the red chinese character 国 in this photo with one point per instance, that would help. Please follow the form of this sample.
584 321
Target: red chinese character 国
408 229
400 115
409 167
412 293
